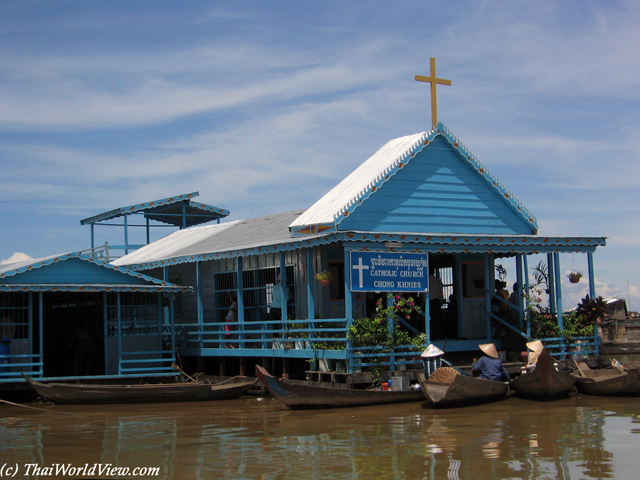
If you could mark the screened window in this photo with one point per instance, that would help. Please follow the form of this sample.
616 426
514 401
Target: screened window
258 288
14 315
140 314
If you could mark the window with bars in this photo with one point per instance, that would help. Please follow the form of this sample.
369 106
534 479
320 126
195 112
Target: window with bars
258 288
140 314
14 315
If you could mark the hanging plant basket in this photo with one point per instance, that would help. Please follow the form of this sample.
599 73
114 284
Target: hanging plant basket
574 277
324 278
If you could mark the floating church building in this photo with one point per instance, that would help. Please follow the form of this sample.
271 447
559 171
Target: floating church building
421 221
423 205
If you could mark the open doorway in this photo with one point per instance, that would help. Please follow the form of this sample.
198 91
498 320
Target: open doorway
73 334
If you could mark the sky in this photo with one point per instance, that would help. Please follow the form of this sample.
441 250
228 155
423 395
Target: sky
262 107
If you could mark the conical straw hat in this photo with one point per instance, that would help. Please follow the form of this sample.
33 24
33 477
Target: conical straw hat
535 346
489 349
432 351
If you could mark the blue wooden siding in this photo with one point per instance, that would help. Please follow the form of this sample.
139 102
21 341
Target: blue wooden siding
74 271
436 192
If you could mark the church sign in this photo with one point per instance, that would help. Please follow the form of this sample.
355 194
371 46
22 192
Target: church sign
385 271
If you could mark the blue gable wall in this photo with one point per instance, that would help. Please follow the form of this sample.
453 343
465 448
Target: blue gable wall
73 271
436 192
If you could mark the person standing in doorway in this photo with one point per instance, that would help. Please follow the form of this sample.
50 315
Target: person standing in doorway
435 305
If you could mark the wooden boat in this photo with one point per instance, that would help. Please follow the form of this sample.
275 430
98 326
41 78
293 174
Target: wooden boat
608 382
545 382
446 388
68 393
304 396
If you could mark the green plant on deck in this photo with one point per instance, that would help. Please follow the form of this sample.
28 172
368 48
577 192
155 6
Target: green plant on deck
582 321
297 326
376 375
576 325
369 332
328 344
593 309
541 275
375 332
579 323
543 325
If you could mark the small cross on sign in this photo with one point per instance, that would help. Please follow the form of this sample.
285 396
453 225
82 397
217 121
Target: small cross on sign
433 81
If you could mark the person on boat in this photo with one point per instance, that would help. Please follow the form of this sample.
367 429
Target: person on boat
431 359
489 365
536 347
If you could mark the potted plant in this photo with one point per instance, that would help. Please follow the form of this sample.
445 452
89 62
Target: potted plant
574 277
324 277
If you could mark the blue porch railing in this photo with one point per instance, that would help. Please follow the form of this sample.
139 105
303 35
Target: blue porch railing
312 340
576 347
398 357
321 338
17 364
158 362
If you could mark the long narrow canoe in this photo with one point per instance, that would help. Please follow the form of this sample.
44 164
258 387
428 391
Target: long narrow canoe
302 396
68 393
545 383
608 382
460 390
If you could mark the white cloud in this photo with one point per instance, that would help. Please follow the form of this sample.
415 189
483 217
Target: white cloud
15 258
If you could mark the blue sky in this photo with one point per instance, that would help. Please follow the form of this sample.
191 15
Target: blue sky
262 107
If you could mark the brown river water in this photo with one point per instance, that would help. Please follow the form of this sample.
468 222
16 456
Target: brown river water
253 438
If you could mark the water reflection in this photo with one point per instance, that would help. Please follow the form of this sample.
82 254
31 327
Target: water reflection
584 437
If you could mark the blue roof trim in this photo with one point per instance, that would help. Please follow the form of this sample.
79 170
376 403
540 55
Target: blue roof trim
92 288
430 243
142 207
39 263
465 154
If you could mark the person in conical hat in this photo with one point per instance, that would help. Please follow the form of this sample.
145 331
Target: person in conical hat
432 351
536 347
489 365
489 349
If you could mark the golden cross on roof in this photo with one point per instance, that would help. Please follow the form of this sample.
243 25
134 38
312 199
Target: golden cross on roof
433 81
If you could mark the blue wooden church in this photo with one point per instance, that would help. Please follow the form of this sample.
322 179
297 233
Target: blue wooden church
422 206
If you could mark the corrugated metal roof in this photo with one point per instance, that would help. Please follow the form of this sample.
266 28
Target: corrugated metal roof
167 247
357 184
174 210
231 236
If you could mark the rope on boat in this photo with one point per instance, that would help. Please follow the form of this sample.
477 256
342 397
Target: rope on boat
178 369
35 408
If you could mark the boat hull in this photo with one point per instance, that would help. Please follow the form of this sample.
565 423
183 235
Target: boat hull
298 396
62 393
545 383
462 391
609 383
